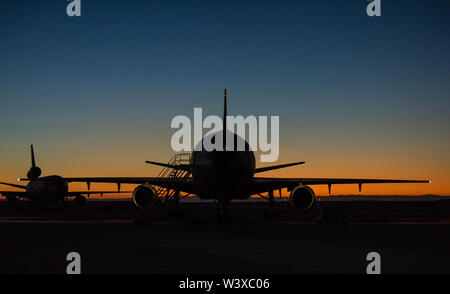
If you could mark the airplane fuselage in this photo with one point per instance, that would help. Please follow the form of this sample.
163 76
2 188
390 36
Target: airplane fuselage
222 174
47 189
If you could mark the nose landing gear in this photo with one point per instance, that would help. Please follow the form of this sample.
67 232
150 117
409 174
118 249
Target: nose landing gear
12 201
223 215
80 200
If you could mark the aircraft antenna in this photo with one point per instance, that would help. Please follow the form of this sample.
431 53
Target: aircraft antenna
224 128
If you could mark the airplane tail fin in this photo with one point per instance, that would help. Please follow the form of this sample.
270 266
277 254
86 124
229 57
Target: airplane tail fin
267 168
33 162
34 171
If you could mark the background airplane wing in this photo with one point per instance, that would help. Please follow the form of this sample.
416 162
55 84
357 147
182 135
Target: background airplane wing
14 185
12 193
260 185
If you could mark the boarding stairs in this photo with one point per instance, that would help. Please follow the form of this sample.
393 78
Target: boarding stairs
174 178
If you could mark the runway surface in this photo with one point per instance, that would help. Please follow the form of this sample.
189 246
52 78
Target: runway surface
411 238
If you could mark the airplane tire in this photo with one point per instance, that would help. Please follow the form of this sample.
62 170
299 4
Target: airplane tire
191 217
267 214
142 220
276 214
12 201
223 217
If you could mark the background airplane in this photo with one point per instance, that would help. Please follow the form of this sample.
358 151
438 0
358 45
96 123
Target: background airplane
223 176
45 189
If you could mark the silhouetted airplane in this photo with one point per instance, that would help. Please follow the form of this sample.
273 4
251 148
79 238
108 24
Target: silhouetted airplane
227 175
45 189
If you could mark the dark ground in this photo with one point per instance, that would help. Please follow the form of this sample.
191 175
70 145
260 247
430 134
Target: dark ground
411 237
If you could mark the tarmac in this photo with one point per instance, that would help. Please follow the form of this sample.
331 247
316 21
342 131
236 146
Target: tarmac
411 237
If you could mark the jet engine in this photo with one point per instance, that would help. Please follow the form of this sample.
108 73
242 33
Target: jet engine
34 173
302 197
142 194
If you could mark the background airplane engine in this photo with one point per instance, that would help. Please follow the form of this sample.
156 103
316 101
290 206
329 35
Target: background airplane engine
34 173
302 197
142 194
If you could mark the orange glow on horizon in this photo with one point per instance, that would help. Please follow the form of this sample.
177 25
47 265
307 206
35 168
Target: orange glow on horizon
438 187
112 158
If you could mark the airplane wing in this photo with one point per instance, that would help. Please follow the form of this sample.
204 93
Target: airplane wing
257 185
70 194
260 185
78 193
12 193
14 185
186 186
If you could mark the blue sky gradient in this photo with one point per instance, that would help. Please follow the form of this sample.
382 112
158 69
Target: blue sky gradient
109 82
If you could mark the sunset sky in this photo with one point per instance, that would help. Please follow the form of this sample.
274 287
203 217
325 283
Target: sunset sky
357 96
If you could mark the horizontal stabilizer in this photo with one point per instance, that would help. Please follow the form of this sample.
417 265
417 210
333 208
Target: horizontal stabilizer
186 167
267 168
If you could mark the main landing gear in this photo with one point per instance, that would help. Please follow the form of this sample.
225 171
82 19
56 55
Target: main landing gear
12 201
15 202
167 210
271 212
